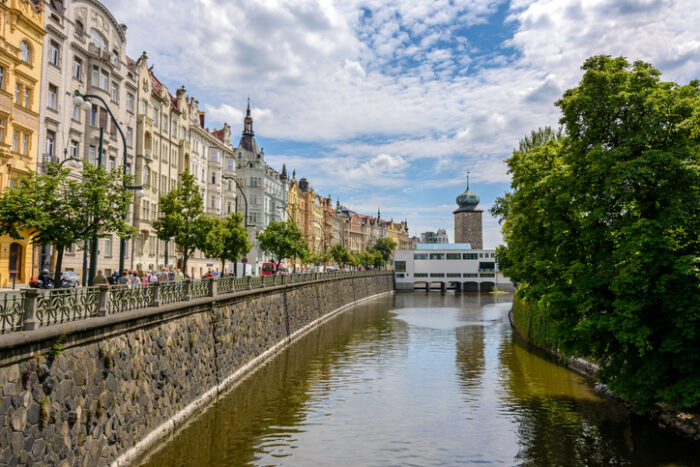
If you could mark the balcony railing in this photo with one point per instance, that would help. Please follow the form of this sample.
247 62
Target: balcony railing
29 309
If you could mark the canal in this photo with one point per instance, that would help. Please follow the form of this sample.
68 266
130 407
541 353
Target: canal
417 379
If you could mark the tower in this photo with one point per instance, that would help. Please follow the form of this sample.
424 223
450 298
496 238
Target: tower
468 225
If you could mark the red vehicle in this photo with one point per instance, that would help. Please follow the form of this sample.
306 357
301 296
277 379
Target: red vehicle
268 269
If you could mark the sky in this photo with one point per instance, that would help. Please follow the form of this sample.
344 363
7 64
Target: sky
388 103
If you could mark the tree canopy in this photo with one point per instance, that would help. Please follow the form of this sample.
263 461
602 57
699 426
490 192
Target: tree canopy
283 240
61 210
385 247
181 211
602 229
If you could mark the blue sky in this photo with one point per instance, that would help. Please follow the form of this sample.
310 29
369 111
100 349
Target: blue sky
388 103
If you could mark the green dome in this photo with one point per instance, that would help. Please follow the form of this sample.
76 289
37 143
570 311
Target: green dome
468 200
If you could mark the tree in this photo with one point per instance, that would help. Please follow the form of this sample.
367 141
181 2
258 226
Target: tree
339 254
385 246
602 229
60 210
317 259
283 240
181 210
224 239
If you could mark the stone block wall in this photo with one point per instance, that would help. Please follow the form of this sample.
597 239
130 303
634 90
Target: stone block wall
84 393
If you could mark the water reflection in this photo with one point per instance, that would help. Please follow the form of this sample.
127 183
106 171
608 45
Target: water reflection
421 379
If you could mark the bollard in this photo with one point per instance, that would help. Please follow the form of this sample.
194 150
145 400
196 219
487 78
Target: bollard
249 279
262 282
102 300
156 293
188 290
30 297
213 287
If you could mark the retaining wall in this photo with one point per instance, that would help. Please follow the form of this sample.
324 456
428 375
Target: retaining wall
88 392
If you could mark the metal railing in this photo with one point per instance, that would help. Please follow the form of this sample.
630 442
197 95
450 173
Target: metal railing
29 309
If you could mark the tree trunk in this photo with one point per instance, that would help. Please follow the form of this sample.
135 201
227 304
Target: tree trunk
59 264
223 265
185 257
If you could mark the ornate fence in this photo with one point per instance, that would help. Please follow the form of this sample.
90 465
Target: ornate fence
31 308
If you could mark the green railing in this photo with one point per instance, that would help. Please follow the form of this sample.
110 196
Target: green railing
29 309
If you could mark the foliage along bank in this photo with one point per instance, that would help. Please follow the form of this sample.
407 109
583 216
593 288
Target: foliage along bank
602 231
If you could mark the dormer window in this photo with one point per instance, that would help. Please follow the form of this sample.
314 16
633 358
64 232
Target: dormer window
24 51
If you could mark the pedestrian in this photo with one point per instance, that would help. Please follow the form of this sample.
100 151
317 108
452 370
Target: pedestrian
114 277
99 278
133 277
152 277
163 276
179 277
124 278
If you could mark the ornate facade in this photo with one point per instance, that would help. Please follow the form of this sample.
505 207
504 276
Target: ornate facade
21 52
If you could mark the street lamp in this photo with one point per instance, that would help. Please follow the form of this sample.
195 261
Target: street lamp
285 207
245 219
83 100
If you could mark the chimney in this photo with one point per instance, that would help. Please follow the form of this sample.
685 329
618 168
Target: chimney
201 119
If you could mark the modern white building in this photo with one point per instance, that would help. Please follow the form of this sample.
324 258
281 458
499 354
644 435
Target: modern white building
453 265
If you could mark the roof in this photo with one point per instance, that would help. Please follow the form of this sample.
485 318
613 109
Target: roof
443 246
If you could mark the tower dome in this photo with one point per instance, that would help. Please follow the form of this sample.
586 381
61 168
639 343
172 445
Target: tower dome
468 200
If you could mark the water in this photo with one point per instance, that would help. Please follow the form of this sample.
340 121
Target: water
418 379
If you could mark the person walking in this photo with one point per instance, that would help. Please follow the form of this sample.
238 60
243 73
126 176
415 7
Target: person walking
163 276
179 276
152 277
124 278
99 278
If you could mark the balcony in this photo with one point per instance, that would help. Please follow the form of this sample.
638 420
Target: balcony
146 121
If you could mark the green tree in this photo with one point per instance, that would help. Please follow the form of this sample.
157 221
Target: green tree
283 240
385 246
61 210
602 229
339 254
224 239
181 211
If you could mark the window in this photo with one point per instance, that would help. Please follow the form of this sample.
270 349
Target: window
155 116
437 274
76 113
27 98
213 177
2 129
95 80
53 97
74 149
182 133
25 144
400 266
144 107
98 39
92 155
50 142
228 208
2 78
24 52
115 58
420 274
129 102
15 141
487 274
214 155
111 164
470 256
129 137
53 53
93 115
18 94
212 202
173 131
108 247
164 122
104 80
146 176
437 256
470 274
453 274
453 256
114 92
481 255
79 29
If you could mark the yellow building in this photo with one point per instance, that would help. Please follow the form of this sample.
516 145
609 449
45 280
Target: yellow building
21 39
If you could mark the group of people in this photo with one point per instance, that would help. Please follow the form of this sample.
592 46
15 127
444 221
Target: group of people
137 277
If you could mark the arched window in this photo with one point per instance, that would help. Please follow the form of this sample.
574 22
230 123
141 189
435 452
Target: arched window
24 51
79 29
98 39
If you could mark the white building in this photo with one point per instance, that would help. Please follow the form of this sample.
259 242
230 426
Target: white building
453 265
84 49
265 190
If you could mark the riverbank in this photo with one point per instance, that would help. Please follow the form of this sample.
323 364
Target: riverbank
532 327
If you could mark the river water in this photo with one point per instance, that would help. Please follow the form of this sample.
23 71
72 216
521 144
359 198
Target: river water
418 379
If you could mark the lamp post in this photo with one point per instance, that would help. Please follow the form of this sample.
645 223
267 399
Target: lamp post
245 218
82 99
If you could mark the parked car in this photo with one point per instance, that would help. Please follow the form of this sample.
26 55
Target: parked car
70 279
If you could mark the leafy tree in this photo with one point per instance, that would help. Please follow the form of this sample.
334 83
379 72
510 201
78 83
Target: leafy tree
181 210
602 229
385 246
339 254
224 239
317 258
283 240
60 210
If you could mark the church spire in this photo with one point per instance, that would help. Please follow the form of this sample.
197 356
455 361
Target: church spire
248 122
467 180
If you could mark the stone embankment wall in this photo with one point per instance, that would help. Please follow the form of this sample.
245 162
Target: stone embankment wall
101 390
